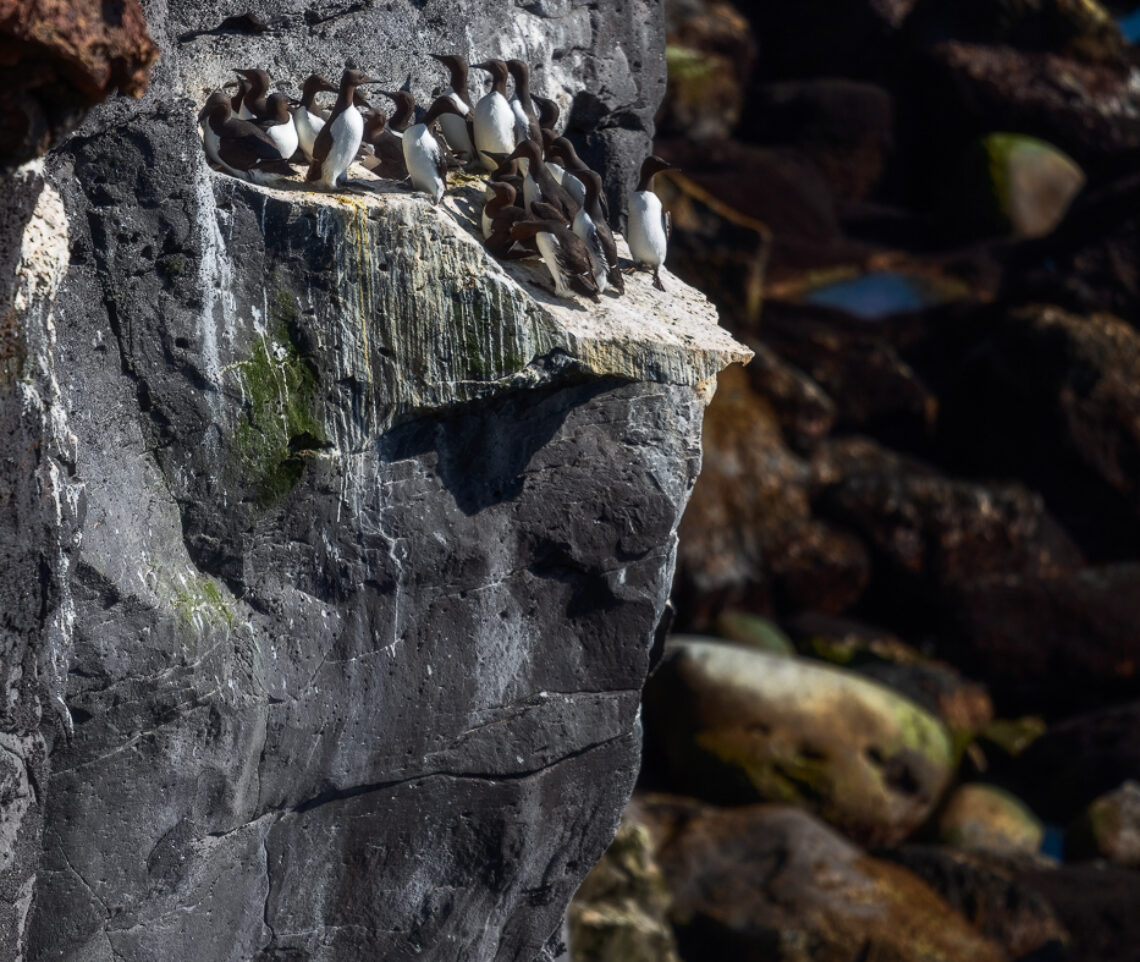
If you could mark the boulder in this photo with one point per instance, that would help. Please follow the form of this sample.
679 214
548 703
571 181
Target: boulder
1052 644
755 544
845 127
805 413
736 725
876 653
1078 760
1097 906
1083 29
980 817
620 912
986 890
753 631
771 882
710 51
1109 828
1028 183
929 531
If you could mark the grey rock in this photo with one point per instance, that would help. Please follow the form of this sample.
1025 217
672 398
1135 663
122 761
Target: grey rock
378 533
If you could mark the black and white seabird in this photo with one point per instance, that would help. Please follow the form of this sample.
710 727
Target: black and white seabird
387 147
648 233
277 122
457 131
254 91
540 184
306 118
522 106
493 119
339 139
590 224
243 149
572 168
209 138
565 255
548 113
423 154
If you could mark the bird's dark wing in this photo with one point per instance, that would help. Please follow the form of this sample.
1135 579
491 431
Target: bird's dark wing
574 259
321 147
667 223
609 251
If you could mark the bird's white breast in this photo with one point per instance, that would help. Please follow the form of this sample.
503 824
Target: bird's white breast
647 240
308 126
494 126
284 137
347 132
421 154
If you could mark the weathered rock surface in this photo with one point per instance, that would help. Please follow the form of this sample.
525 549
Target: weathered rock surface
736 725
378 533
770 882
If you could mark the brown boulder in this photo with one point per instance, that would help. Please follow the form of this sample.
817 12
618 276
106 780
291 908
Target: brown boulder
929 531
771 883
805 412
985 889
58 58
747 537
1049 643
709 51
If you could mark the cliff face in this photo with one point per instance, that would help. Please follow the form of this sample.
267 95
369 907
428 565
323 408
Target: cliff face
337 550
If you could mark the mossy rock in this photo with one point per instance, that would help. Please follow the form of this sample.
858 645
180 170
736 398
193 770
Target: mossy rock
753 631
737 725
984 817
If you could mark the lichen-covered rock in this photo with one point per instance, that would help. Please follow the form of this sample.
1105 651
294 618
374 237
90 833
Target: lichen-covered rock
620 912
771 882
737 725
754 631
1032 183
1109 828
987 818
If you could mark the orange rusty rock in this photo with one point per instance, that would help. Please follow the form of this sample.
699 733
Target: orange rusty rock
58 58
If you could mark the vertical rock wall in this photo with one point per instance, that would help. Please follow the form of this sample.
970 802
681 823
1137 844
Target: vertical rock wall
377 535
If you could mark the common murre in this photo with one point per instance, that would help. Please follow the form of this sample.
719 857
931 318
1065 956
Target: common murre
243 149
339 139
565 255
305 117
590 224
209 138
500 214
254 90
539 183
457 130
494 121
648 233
423 155
277 122
522 106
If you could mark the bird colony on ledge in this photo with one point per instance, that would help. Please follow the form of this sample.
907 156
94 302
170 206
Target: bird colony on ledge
541 199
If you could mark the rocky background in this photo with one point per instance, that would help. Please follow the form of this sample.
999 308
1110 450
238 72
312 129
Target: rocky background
333 555
899 716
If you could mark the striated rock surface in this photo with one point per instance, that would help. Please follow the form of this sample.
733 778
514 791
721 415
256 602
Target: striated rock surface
377 539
